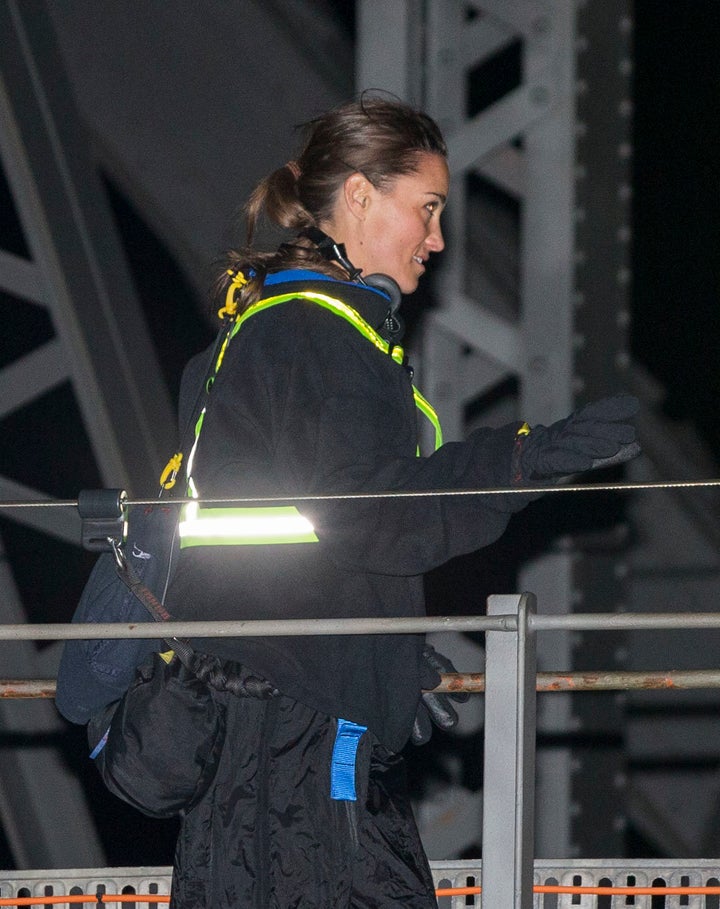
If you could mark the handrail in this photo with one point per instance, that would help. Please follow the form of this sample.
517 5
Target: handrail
256 628
474 682
601 621
511 681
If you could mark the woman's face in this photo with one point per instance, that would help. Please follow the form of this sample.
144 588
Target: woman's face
397 228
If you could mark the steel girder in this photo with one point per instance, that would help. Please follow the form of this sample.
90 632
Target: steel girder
95 344
532 292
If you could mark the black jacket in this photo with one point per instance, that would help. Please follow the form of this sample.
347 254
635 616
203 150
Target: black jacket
305 405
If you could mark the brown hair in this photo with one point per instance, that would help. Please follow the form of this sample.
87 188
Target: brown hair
375 136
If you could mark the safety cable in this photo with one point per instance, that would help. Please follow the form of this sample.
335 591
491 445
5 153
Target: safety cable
398 494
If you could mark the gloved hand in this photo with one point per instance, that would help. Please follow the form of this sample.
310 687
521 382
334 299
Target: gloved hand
435 708
598 435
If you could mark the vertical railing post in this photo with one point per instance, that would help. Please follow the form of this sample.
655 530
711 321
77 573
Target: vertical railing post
509 774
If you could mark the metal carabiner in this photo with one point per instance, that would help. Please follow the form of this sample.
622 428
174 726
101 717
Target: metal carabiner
118 552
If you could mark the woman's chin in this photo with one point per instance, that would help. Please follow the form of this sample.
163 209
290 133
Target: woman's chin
409 284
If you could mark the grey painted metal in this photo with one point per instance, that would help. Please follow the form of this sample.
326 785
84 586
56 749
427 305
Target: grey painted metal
39 794
601 301
390 47
674 561
609 620
401 625
259 628
79 267
547 261
546 369
536 345
38 512
76 272
509 763
229 83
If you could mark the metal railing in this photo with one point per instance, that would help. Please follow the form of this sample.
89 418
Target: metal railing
510 683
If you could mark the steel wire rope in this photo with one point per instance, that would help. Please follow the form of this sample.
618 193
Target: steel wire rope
396 494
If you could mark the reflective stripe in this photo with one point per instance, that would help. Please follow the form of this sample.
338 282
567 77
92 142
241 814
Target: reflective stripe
335 306
191 457
424 406
356 320
244 526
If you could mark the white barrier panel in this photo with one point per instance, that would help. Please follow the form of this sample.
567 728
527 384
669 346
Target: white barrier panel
467 875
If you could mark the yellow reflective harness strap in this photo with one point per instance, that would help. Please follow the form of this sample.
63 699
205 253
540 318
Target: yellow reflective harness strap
330 303
424 406
282 524
244 526
356 320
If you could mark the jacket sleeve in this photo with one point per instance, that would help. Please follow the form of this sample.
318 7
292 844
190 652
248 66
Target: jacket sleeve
330 414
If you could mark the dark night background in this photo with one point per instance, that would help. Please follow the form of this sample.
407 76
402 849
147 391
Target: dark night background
675 332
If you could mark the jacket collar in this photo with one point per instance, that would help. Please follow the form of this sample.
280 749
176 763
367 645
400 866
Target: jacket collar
372 304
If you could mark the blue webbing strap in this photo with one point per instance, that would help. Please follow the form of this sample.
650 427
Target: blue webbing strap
100 745
342 768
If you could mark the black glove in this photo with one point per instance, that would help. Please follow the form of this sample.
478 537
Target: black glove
598 435
435 708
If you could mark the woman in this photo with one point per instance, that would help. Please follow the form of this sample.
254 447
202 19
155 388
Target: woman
313 397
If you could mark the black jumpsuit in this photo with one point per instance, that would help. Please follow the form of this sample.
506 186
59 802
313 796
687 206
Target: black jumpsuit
304 404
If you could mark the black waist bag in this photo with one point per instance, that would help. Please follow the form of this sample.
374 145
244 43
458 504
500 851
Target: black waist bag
158 747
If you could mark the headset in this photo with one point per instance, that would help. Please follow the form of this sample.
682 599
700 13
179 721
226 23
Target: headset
335 252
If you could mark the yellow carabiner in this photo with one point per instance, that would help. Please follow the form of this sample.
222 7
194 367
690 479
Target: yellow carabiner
171 470
238 280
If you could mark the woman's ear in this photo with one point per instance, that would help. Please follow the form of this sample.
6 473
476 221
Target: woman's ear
356 193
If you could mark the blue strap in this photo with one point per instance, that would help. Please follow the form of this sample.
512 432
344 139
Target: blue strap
342 768
305 274
100 745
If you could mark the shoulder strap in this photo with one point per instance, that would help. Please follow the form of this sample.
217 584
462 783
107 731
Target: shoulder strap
339 308
169 475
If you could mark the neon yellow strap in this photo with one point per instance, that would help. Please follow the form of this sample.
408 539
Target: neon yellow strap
356 320
335 306
424 406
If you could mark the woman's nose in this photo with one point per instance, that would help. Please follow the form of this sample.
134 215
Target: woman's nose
434 240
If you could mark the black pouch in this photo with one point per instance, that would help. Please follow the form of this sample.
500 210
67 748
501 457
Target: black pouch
163 739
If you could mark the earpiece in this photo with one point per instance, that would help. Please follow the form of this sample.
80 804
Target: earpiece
388 286
335 252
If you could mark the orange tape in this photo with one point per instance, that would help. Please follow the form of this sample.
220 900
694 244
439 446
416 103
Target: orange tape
595 891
